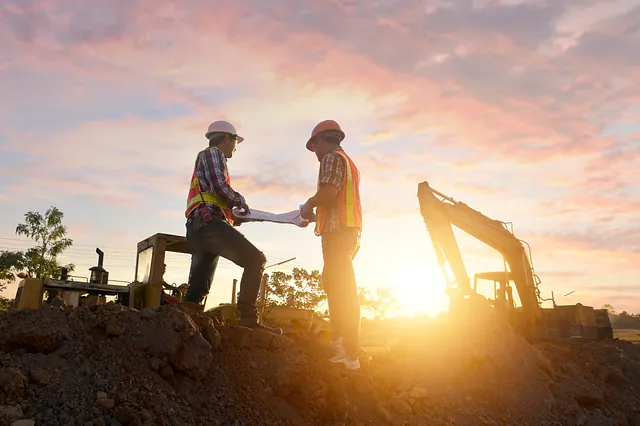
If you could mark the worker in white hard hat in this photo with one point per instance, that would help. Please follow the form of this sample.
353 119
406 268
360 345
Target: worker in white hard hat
210 226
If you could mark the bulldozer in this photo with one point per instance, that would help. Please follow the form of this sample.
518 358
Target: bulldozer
148 289
440 213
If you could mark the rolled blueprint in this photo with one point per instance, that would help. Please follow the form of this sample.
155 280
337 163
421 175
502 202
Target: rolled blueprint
293 217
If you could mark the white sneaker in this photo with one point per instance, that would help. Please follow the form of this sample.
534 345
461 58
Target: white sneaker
336 345
349 364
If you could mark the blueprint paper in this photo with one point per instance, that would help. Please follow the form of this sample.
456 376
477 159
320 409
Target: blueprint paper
293 217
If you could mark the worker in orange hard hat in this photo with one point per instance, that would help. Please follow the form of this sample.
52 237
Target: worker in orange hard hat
339 224
210 226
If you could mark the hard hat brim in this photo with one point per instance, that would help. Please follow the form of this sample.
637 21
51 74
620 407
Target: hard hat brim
311 138
206 135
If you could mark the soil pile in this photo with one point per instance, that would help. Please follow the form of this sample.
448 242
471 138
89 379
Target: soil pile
109 365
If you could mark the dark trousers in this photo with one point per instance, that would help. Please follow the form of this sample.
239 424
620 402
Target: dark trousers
339 248
207 242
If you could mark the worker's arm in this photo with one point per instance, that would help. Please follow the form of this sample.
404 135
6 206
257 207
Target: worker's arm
215 166
330 178
324 197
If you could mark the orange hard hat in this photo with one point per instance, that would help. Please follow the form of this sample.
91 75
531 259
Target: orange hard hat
323 126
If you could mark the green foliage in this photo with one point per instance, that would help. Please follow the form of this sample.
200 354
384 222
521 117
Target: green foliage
622 320
379 303
11 262
300 290
5 303
40 261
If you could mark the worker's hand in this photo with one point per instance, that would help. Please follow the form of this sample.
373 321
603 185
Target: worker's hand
244 209
307 211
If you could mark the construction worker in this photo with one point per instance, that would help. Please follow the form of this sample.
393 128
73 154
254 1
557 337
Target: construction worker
210 231
339 224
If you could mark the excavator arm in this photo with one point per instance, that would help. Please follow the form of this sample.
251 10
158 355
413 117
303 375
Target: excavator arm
440 212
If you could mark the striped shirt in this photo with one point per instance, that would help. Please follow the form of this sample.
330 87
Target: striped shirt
212 173
332 168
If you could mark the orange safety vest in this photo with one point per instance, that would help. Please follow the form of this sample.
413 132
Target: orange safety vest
348 199
196 196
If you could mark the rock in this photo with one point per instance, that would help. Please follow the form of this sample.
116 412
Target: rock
11 411
101 395
616 375
12 382
418 393
572 409
34 337
166 372
24 422
400 405
107 403
598 419
115 327
147 313
39 376
125 415
194 357
591 398
156 363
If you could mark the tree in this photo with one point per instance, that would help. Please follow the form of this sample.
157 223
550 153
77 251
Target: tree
11 263
40 261
5 303
380 303
300 290
609 308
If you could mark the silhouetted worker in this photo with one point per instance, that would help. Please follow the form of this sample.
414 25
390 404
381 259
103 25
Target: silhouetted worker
339 224
210 231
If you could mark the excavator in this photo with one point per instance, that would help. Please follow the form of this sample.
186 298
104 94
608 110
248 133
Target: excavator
441 213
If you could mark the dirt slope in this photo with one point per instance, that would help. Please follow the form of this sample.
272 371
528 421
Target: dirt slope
110 365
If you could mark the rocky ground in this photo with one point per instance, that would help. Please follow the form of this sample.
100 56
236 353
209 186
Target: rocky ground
109 365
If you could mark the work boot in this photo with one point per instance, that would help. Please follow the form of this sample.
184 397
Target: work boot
257 326
191 306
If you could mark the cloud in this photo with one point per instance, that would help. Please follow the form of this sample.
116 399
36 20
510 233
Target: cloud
525 110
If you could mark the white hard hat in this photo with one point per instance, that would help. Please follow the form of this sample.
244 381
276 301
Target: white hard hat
222 127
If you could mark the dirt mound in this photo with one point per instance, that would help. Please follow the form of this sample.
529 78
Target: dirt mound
110 365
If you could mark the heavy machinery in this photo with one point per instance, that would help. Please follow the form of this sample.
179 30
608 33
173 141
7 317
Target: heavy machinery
147 289
440 212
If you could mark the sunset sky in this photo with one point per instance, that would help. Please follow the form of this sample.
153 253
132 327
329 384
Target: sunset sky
525 110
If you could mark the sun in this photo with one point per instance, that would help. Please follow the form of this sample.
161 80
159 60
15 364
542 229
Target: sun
421 291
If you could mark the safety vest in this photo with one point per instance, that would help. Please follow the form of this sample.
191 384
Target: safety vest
195 197
348 199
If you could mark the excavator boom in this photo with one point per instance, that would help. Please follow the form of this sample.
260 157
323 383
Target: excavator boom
440 212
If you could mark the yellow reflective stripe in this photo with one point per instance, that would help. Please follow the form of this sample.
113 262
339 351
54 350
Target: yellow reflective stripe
209 198
350 219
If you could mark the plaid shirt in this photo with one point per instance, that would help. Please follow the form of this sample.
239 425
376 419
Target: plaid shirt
332 168
212 174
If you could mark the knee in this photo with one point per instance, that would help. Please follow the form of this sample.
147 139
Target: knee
258 260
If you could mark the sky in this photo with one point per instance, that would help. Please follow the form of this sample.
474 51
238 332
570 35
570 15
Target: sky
526 110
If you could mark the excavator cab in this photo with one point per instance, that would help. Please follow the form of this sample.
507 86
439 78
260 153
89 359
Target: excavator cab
503 300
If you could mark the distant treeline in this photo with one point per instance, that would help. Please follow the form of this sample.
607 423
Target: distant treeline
625 320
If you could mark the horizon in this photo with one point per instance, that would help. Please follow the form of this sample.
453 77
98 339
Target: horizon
525 110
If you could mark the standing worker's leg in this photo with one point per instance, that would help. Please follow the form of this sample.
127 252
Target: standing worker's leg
340 285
